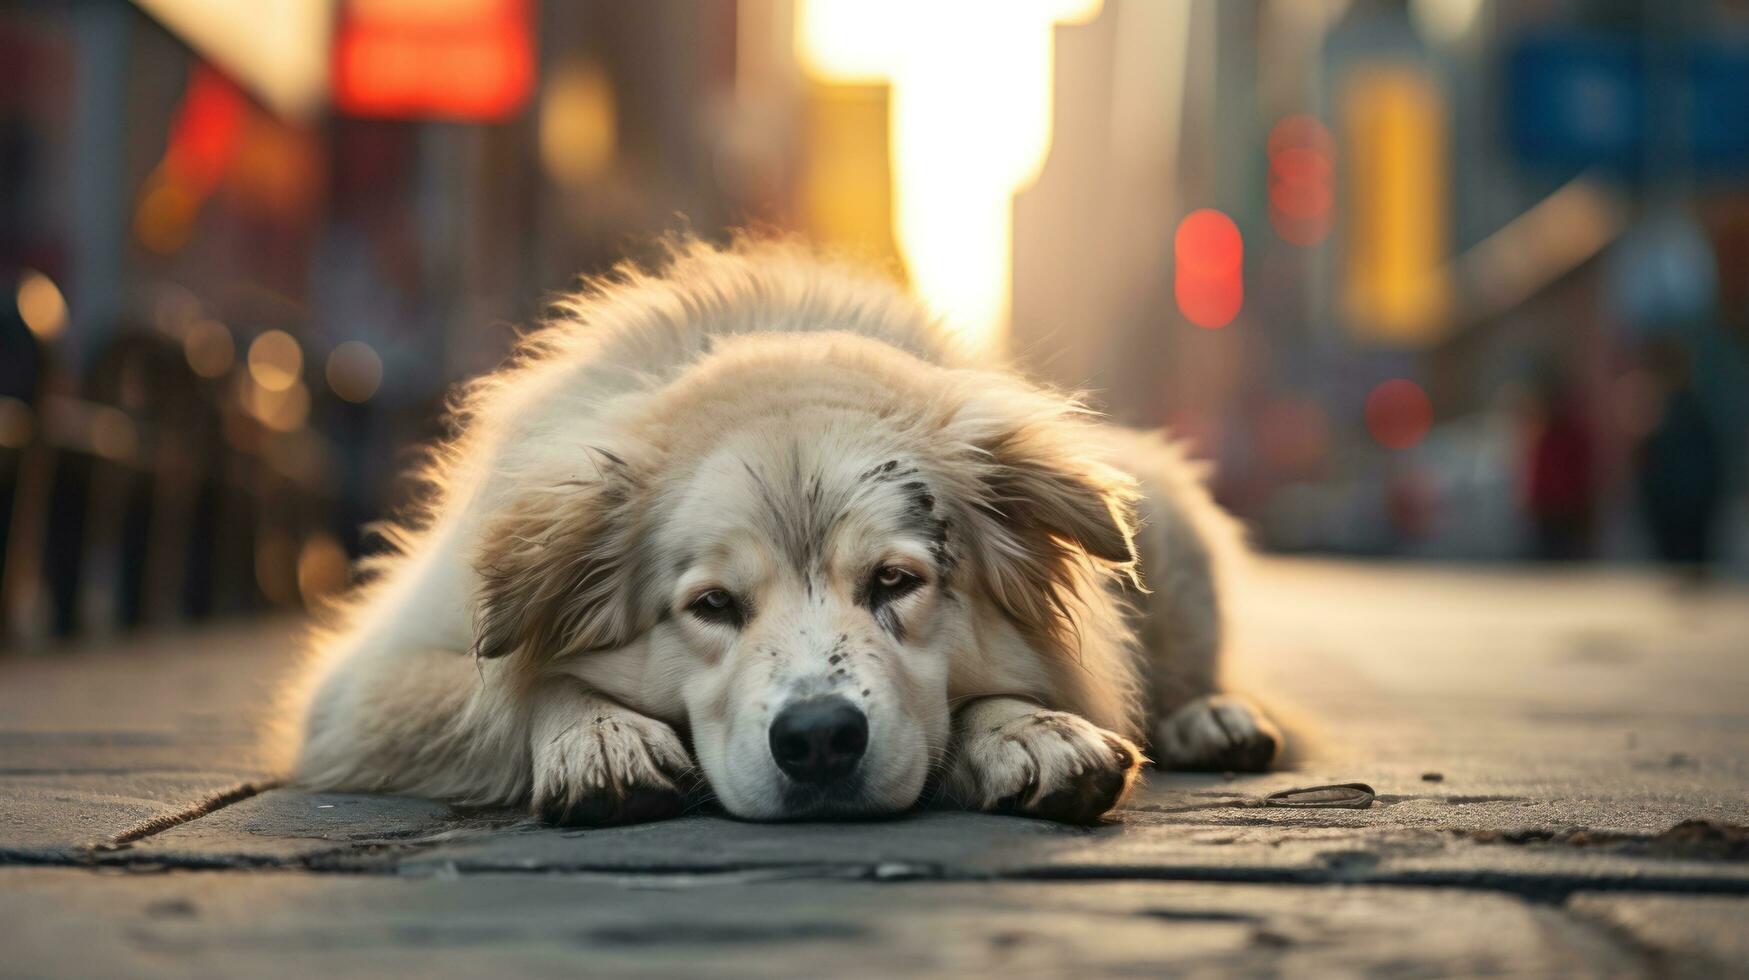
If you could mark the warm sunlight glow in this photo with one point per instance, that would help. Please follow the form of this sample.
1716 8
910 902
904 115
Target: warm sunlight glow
970 126
278 48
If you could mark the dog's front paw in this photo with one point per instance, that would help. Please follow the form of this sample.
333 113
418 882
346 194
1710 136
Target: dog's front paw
608 765
1217 733
1048 764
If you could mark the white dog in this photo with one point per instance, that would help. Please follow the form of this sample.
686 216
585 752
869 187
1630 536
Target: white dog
757 517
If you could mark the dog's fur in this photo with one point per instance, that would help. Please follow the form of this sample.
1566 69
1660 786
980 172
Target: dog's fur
763 424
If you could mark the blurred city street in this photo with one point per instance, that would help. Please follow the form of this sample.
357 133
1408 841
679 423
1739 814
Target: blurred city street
1558 757
1450 297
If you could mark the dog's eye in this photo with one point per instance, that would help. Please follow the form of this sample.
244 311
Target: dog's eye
716 606
889 582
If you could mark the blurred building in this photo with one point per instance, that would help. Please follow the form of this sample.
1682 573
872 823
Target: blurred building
1453 278
1444 237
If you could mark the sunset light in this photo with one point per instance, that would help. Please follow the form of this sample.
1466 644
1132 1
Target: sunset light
970 126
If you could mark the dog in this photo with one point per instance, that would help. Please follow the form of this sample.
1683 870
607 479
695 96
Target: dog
755 524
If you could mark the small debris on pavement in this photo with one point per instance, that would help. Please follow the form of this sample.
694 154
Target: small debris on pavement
1346 796
1343 796
1433 777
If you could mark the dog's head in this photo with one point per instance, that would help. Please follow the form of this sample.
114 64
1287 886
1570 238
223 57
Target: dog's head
798 548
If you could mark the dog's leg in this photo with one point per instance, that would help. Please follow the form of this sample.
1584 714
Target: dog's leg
597 762
1012 756
1217 733
1183 537
417 721
393 702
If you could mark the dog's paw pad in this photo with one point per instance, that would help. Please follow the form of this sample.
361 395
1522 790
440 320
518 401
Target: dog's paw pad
1217 733
610 767
1052 765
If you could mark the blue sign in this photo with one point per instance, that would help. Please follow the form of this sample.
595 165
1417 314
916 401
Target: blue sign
1613 101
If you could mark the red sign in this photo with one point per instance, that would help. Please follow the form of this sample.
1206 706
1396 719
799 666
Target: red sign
460 59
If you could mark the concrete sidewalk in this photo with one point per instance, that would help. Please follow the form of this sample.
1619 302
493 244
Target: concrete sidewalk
1561 762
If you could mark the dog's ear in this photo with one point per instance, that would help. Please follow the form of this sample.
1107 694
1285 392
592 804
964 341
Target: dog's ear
1045 511
560 568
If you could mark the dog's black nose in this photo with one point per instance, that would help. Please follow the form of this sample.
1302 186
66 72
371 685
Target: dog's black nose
819 740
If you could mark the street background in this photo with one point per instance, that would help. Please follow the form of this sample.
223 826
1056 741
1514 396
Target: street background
1452 294
1461 280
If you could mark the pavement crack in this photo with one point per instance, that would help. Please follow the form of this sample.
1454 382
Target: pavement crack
194 811
1694 840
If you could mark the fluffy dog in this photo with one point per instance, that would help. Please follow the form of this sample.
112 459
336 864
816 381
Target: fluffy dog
757 517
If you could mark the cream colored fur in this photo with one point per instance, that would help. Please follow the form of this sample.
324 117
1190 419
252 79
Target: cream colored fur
760 421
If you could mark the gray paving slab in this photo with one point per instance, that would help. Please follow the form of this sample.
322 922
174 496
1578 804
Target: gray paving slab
1561 762
55 921
59 815
100 738
1700 936
291 829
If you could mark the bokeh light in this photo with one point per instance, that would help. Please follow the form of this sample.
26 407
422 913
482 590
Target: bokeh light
276 560
1396 283
578 126
203 139
41 305
275 360
1398 414
354 371
285 410
1209 258
1208 245
208 348
322 567
1444 21
1302 179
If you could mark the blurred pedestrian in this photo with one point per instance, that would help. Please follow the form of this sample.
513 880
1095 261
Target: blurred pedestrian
1679 466
1560 489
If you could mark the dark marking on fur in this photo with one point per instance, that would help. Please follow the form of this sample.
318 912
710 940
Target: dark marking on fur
879 471
888 620
922 519
609 456
921 498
